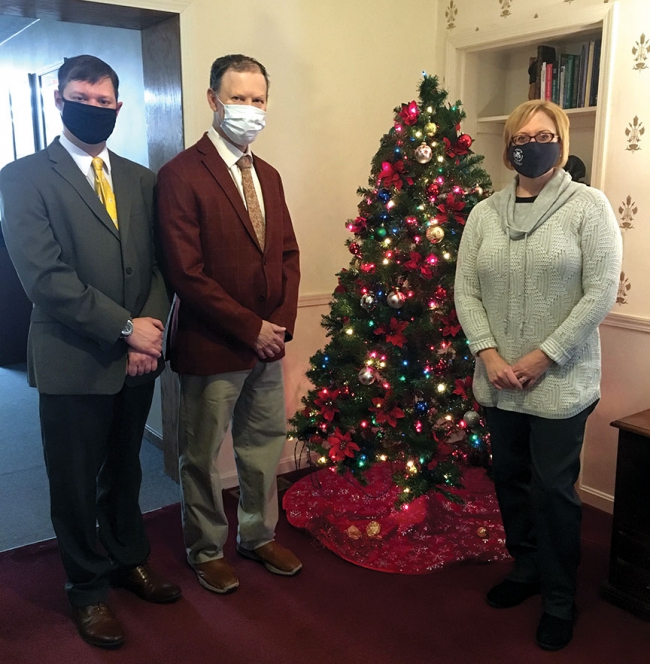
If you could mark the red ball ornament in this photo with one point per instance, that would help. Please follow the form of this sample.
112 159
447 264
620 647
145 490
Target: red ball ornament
465 141
433 189
355 249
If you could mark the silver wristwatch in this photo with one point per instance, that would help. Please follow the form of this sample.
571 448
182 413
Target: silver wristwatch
128 329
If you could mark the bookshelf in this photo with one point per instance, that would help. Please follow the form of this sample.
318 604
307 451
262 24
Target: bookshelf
488 71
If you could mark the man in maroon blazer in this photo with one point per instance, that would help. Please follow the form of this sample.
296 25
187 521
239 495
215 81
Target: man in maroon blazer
231 256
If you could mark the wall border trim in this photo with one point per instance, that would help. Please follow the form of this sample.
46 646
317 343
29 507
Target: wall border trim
628 322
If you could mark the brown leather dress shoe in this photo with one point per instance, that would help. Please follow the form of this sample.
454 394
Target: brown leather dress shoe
275 557
98 625
148 585
217 576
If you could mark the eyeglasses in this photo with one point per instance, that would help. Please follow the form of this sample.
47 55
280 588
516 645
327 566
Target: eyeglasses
540 137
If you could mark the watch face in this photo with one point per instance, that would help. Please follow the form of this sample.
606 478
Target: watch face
128 328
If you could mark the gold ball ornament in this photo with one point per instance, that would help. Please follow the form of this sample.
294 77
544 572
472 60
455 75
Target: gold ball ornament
353 533
435 234
482 532
373 529
423 153
430 128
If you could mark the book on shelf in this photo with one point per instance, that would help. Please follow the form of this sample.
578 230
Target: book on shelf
545 54
593 93
590 68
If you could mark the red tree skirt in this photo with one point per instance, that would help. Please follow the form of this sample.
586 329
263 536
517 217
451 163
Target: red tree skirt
361 525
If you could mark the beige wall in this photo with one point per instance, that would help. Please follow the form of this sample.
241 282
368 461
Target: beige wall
625 335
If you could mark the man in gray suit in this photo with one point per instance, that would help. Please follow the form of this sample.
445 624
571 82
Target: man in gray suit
77 221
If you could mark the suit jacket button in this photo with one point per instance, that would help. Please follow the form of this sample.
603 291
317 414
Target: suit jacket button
262 298
129 270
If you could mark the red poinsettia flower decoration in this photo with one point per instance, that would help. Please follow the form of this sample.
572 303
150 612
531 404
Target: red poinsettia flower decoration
325 402
416 262
394 332
341 445
450 325
357 225
409 113
394 174
462 385
454 150
451 208
386 412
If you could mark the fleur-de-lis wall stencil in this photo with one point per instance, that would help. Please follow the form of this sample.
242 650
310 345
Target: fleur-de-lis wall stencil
627 211
505 7
450 15
634 132
640 53
624 287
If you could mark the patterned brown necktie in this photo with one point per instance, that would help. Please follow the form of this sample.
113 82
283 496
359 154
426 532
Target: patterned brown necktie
252 202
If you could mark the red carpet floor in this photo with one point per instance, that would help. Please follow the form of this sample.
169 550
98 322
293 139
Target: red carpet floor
333 612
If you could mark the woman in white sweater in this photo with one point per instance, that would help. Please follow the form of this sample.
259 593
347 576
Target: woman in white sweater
538 269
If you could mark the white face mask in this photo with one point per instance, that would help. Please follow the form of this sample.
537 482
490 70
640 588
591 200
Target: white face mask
241 123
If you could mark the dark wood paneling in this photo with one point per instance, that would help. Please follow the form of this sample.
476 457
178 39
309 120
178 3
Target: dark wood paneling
78 11
15 310
161 64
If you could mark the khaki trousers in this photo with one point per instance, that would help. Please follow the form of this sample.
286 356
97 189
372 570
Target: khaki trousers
254 402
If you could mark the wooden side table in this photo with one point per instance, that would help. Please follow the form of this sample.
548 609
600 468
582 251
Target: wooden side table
628 585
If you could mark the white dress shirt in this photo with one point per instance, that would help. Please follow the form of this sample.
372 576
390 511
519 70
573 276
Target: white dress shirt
231 155
85 161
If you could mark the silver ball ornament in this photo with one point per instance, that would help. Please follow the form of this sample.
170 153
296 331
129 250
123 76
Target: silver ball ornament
396 299
423 153
471 418
367 376
368 301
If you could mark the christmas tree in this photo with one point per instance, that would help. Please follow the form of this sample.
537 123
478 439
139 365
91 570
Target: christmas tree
394 382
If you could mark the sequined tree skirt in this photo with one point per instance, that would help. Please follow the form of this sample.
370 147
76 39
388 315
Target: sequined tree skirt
362 526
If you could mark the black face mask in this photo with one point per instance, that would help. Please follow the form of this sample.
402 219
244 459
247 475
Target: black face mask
534 159
90 124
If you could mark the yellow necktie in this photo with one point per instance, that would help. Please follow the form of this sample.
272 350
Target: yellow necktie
104 191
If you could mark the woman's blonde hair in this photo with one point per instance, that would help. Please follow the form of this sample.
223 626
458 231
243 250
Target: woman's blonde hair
520 116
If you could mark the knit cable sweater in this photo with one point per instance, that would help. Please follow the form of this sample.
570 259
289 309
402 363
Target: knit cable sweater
545 286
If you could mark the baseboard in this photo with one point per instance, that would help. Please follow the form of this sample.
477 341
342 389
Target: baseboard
599 499
152 436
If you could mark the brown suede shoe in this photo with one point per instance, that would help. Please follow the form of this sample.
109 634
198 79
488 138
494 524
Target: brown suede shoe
148 585
275 557
217 576
98 625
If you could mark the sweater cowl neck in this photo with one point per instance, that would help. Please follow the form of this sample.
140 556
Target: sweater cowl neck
557 191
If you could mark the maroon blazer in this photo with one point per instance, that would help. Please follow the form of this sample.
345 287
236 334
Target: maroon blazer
211 258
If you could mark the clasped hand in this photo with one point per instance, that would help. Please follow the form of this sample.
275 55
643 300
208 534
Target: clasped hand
145 346
521 375
270 340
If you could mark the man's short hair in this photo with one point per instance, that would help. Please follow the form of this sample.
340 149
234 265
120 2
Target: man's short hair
235 62
86 68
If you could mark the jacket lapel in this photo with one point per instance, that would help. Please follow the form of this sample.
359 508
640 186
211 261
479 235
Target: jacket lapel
219 171
65 166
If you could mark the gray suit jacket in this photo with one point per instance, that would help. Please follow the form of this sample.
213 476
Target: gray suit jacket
84 277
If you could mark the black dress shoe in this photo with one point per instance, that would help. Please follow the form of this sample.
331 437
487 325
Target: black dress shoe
98 625
148 585
509 593
555 633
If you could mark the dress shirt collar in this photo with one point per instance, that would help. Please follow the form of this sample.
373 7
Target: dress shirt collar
82 158
227 151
